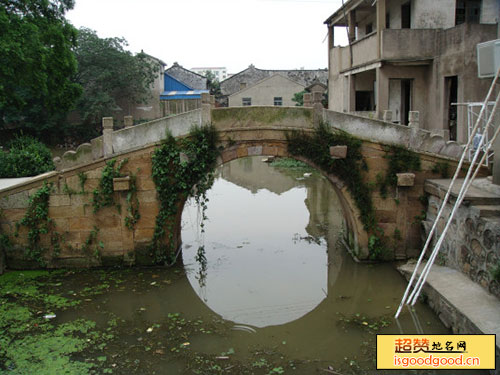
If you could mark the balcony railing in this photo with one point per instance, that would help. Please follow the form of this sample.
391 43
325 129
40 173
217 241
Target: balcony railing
409 44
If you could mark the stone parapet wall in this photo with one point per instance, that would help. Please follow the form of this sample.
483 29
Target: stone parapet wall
416 139
472 243
131 138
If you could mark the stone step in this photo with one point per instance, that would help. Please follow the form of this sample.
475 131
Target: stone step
459 302
474 196
489 210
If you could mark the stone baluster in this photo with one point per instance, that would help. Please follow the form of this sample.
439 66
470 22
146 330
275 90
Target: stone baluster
107 136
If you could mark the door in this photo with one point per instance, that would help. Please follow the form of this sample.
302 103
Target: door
406 99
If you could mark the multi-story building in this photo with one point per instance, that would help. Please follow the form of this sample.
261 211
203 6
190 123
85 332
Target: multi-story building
219 72
411 55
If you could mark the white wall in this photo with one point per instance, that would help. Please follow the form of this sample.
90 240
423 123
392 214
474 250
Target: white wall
490 11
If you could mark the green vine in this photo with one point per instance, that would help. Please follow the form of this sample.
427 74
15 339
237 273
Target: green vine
316 148
5 242
37 221
87 248
400 160
133 215
103 194
82 177
181 169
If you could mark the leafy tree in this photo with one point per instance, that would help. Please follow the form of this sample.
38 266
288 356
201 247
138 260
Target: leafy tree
36 63
213 83
110 75
298 98
26 157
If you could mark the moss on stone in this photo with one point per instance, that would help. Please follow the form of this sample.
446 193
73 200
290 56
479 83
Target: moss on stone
267 115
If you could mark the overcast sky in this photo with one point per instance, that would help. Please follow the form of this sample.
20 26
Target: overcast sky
271 34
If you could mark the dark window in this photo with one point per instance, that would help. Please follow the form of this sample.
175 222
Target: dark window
388 20
278 100
406 15
451 87
467 11
364 101
369 28
246 101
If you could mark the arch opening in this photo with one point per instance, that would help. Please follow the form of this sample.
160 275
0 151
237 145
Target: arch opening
271 242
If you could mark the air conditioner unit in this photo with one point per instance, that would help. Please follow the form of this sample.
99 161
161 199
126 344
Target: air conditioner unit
488 58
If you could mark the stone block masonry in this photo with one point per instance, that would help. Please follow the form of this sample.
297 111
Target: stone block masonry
86 237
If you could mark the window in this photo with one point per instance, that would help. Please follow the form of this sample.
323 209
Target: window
388 20
368 28
406 15
278 100
246 101
467 11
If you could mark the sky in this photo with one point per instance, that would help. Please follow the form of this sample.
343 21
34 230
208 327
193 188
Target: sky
270 34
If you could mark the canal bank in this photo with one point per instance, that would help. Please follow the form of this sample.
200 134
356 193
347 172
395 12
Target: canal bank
463 287
462 305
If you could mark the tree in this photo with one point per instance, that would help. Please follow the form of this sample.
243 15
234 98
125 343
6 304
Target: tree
109 74
213 84
298 98
36 64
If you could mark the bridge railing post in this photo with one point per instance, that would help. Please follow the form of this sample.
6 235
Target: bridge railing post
308 99
414 119
387 115
107 136
128 121
206 108
317 107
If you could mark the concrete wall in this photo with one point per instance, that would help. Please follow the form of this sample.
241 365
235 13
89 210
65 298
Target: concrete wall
432 14
363 22
264 92
490 11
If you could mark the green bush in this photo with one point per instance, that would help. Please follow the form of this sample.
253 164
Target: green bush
26 157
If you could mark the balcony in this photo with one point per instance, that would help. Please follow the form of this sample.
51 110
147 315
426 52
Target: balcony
364 51
409 44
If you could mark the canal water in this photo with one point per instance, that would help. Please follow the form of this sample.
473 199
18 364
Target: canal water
267 288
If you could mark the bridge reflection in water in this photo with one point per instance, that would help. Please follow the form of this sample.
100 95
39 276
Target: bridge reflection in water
274 263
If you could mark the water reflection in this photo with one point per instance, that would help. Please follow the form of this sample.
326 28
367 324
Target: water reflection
266 243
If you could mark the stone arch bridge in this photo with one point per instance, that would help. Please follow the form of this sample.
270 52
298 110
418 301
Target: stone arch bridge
243 131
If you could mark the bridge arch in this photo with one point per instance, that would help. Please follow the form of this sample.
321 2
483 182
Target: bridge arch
355 235
242 132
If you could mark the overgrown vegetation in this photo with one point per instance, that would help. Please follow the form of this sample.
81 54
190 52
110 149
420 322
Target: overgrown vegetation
400 160
26 157
441 168
37 221
102 196
289 163
316 148
495 272
181 169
